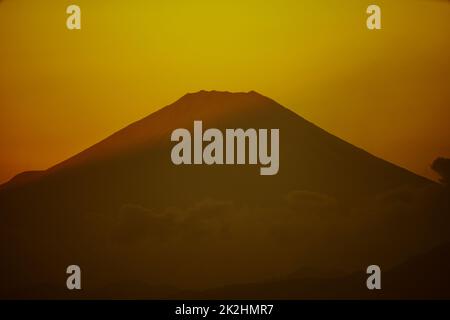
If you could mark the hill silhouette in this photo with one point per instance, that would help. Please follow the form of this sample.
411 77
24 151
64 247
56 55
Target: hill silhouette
423 276
123 212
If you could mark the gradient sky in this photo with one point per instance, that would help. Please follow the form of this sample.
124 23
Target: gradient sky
386 91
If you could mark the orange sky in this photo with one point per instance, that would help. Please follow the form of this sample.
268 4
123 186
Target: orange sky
385 91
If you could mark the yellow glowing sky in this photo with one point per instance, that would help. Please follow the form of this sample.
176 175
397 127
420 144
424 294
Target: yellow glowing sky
386 91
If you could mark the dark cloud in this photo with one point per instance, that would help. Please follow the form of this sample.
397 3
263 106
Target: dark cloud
442 167
402 195
208 208
135 222
302 200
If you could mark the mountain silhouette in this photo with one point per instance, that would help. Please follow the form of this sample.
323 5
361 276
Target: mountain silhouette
126 214
311 158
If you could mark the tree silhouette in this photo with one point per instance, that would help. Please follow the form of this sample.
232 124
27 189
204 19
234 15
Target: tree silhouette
442 167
